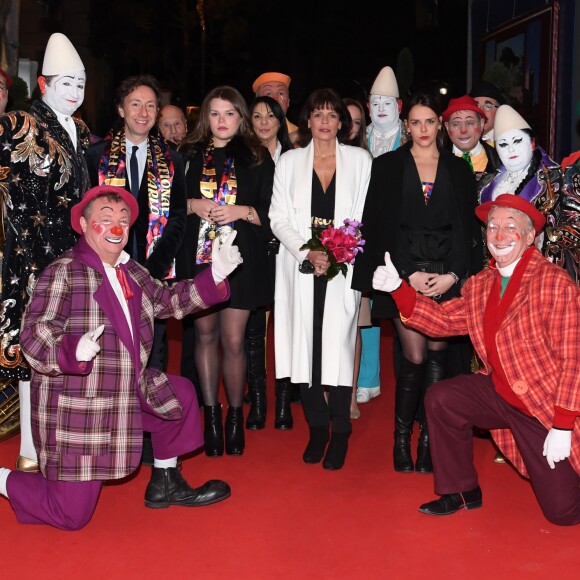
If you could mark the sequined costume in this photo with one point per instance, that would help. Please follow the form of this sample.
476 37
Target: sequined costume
558 201
569 230
41 177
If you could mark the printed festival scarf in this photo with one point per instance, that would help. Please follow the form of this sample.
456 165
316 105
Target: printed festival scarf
160 170
225 194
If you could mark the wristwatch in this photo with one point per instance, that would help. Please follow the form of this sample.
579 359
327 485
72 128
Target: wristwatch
454 276
306 267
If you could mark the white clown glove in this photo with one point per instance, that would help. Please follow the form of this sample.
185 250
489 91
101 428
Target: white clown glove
87 348
225 258
386 278
557 446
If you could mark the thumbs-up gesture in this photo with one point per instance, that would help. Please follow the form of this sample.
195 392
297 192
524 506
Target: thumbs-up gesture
386 278
87 348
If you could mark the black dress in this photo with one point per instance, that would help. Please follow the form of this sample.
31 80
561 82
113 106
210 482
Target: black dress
395 211
322 211
250 283
430 231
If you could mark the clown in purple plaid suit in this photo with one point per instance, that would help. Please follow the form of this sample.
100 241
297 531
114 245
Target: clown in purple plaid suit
87 334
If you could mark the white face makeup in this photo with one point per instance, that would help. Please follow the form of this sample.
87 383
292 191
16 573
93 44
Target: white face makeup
515 149
66 92
384 112
507 235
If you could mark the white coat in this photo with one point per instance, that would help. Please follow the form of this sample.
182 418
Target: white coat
290 220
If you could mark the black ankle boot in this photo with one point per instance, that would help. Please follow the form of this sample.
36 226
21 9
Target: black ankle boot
336 452
407 394
423 463
256 357
168 487
284 419
316 447
235 437
213 433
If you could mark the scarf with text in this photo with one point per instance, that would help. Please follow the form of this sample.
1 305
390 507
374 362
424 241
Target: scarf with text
224 194
160 171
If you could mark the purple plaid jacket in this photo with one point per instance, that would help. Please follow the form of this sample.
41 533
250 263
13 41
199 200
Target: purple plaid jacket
86 417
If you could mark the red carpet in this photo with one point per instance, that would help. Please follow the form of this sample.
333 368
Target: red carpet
288 520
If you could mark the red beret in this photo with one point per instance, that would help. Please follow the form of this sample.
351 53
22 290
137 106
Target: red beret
77 210
7 77
512 202
464 103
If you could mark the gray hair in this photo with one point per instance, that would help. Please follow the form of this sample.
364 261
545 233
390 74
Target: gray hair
529 223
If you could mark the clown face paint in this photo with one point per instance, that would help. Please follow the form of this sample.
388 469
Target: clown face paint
106 228
384 112
515 149
507 235
65 93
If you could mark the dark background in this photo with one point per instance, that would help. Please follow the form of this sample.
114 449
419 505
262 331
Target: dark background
342 45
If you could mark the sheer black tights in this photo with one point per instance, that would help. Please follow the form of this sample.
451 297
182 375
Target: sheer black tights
225 328
414 344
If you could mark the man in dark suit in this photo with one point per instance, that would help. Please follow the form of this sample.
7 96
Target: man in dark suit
139 159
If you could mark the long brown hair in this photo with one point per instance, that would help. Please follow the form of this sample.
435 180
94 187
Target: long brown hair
202 134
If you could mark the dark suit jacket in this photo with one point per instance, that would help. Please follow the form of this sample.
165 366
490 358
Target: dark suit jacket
159 262
493 160
383 209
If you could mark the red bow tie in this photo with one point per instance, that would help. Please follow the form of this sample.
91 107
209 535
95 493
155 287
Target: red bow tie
127 293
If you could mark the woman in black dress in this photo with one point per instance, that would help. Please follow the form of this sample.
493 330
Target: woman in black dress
420 207
229 179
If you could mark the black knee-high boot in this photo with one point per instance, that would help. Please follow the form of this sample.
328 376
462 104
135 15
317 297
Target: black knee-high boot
256 357
284 419
435 370
213 432
340 426
407 394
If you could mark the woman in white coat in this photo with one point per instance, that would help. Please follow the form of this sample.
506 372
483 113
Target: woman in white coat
319 183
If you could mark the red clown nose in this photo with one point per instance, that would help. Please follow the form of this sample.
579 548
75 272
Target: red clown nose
117 230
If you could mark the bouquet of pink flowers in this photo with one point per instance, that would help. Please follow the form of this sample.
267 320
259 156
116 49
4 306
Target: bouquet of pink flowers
340 244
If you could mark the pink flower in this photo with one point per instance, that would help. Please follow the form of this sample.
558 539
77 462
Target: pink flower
340 255
326 234
349 241
330 245
350 256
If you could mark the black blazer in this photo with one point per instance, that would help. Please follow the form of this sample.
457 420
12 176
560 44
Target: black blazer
383 209
166 248
250 283
493 160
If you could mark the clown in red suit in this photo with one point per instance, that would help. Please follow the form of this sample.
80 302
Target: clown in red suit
523 317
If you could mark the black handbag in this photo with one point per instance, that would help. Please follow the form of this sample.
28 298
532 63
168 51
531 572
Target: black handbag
431 267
